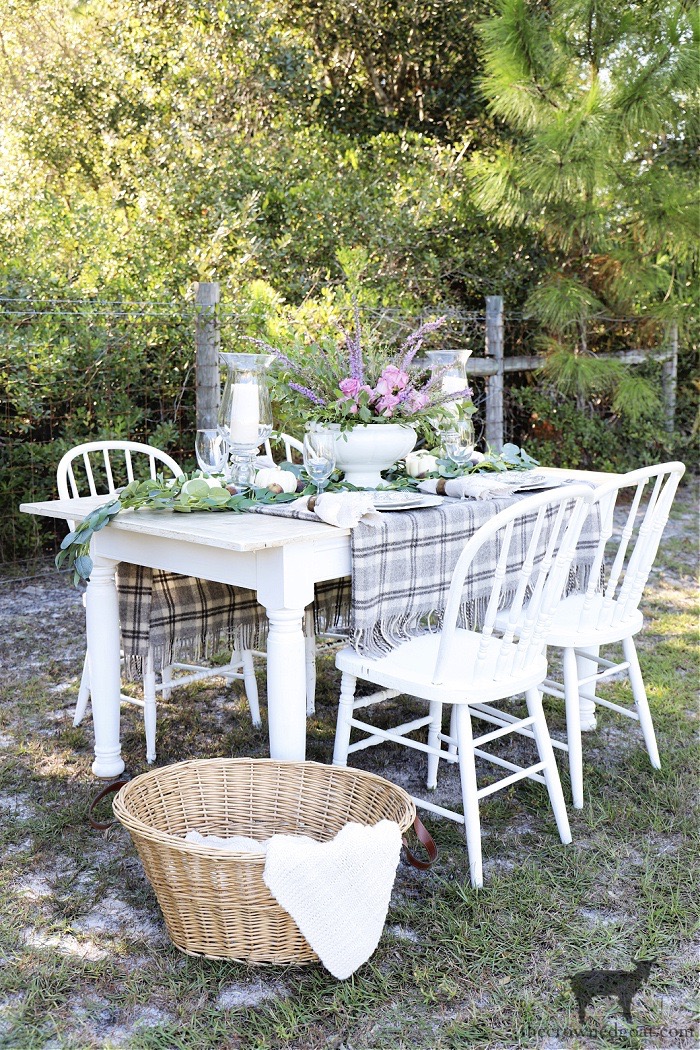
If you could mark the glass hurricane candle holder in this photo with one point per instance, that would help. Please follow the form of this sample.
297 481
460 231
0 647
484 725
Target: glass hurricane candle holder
245 413
454 378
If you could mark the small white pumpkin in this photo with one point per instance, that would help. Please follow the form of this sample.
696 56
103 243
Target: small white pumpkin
275 479
420 463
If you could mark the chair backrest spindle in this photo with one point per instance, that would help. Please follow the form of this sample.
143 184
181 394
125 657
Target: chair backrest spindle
108 470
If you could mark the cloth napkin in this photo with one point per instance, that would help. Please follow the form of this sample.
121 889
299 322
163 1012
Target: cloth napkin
473 486
343 509
237 843
337 892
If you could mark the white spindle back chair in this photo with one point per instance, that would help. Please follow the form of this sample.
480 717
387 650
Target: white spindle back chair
609 613
467 667
91 453
103 466
291 445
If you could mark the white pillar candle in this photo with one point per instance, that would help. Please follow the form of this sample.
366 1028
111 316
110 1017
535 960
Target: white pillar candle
451 385
245 414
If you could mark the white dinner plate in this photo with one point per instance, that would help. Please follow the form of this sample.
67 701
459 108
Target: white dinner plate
404 500
529 481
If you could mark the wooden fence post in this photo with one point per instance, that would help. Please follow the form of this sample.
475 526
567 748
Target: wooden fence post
494 383
207 341
670 379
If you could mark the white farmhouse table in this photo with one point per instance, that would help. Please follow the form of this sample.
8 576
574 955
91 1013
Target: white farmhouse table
279 558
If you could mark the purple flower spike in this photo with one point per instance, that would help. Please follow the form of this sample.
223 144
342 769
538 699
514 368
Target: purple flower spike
307 393
410 348
353 345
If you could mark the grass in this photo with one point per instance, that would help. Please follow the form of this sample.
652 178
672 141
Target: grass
85 962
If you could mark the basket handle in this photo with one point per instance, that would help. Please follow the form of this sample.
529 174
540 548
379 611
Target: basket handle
110 789
426 840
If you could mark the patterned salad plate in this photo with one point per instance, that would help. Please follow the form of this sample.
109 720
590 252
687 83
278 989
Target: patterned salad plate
404 500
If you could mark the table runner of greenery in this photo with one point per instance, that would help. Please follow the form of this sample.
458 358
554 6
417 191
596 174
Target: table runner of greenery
197 492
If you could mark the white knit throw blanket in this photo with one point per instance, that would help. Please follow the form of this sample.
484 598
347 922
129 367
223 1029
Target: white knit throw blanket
337 892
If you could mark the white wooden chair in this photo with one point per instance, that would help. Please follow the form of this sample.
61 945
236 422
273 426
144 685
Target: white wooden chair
604 615
291 445
467 667
102 467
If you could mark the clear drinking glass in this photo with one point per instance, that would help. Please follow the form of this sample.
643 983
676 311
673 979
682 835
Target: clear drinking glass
459 441
210 450
319 457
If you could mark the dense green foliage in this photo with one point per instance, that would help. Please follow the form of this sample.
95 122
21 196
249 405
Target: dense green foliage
418 154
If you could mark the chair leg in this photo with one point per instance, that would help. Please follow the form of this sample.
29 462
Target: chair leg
586 693
251 685
310 649
640 700
573 726
83 694
452 748
166 677
434 728
149 710
343 727
470 801
550 771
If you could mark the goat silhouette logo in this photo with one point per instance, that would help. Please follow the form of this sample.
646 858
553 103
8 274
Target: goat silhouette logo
624 984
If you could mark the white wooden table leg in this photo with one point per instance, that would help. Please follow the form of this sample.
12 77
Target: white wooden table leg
102 622
83 694
585 668
285 588
286 684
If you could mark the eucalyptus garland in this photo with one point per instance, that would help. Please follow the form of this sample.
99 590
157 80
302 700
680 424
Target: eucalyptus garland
196 492
185 494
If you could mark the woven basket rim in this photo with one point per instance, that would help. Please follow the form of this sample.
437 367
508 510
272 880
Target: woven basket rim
134 824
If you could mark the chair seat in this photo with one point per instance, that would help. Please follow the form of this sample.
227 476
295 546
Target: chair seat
409 668
570 630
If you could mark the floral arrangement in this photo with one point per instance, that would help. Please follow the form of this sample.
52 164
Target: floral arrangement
351 383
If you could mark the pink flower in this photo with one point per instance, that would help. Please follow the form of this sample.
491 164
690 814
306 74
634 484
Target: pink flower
350 387
417 401
353 409
396 379
386 404
391 379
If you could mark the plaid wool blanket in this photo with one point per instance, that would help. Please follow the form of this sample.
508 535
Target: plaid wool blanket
185 618
401 573
402 568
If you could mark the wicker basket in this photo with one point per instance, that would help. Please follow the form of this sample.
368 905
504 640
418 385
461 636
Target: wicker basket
215 902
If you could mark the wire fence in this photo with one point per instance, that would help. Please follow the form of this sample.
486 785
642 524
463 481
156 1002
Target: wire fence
73 370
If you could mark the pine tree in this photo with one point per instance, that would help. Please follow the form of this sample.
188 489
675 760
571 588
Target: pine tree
596 99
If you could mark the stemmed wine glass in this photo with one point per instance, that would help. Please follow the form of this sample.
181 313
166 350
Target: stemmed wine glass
210 450
319 457
459 441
